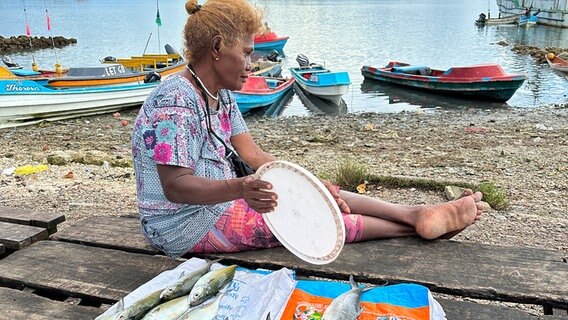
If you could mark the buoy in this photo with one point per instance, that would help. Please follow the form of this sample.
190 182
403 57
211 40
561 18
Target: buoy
550 56
35 67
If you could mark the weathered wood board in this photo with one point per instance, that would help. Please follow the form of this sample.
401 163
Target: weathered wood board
121 233
514 274
31 218
464 310
16 304
80 271
18 236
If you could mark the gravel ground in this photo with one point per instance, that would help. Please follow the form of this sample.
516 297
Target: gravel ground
523 151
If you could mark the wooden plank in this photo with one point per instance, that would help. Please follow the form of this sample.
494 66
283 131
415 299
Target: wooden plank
122 233
514 274
73 270
17 236
520 275
465 310
31 218
16 304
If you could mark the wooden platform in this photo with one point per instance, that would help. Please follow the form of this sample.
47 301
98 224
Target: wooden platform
45 220
17 236
17 304
513 274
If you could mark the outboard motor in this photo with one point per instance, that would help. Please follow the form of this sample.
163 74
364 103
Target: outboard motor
152 77
170 49
272 56
9 62
109 59
302 60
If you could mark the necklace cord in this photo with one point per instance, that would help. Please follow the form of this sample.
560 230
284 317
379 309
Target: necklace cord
203 87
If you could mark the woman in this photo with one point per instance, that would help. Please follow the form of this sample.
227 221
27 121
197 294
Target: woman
188 195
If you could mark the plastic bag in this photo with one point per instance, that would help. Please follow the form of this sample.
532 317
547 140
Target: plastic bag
251 295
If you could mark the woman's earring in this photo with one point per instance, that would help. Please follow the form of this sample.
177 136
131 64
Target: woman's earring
216 58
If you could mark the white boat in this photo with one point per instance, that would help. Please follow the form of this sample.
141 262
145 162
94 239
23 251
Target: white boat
24 102
321 82
552 13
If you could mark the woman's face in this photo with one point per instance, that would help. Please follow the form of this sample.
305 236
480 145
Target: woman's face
234 64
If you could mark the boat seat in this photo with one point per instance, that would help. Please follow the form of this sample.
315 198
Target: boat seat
416 70
255 83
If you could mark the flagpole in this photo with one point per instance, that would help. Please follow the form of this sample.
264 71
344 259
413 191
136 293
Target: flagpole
29 33
159 23
57 65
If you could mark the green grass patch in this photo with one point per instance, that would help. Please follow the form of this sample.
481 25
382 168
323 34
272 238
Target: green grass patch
349 174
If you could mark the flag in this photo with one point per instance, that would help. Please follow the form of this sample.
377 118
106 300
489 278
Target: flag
158 19
48 21
28 31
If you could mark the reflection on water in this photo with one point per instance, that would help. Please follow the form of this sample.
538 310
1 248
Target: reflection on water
316 105
401 95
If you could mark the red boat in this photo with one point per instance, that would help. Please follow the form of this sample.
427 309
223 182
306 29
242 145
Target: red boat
484 81
269 41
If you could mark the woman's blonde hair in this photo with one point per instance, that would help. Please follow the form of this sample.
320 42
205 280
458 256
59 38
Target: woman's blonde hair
233 20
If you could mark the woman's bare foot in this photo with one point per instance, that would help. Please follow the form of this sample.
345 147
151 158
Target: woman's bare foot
448 219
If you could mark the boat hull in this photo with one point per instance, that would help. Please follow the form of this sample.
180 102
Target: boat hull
484 88
551 13
277 44
252 99
26 102
322 83
558 63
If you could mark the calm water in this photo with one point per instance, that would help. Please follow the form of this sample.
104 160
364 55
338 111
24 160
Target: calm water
343 35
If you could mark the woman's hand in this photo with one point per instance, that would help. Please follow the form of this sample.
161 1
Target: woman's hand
335 194
256 193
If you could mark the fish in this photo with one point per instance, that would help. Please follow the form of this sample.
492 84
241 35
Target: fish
185 283
347 305
205 311
139 308
208 285
171 309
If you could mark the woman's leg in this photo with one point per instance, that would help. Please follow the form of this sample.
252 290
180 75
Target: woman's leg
387 220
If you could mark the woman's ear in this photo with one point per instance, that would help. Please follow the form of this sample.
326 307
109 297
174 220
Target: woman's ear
216 47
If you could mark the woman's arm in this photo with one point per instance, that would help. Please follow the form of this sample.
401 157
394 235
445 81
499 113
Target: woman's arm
250 151
181 186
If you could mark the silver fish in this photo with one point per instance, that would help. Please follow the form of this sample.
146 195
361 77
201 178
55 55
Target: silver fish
208 285
139 308
205 311
171 309
184 284
346 306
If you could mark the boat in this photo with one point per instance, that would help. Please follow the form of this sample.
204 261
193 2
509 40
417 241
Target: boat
320 81
122 71
260 92
269 41
528 21
558 62
511 20
551 13
25 102
267 68
484 81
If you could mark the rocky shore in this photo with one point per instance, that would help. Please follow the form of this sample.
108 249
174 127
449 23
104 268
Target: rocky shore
22 43
523 151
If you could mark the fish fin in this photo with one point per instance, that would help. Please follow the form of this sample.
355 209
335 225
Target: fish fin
352 282
120 305
268 316
182 274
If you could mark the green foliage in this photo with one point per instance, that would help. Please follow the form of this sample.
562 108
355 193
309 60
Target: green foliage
493 195
350 173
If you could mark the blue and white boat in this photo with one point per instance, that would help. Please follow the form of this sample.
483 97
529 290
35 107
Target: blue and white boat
25 102
528 21
260 92
321 82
